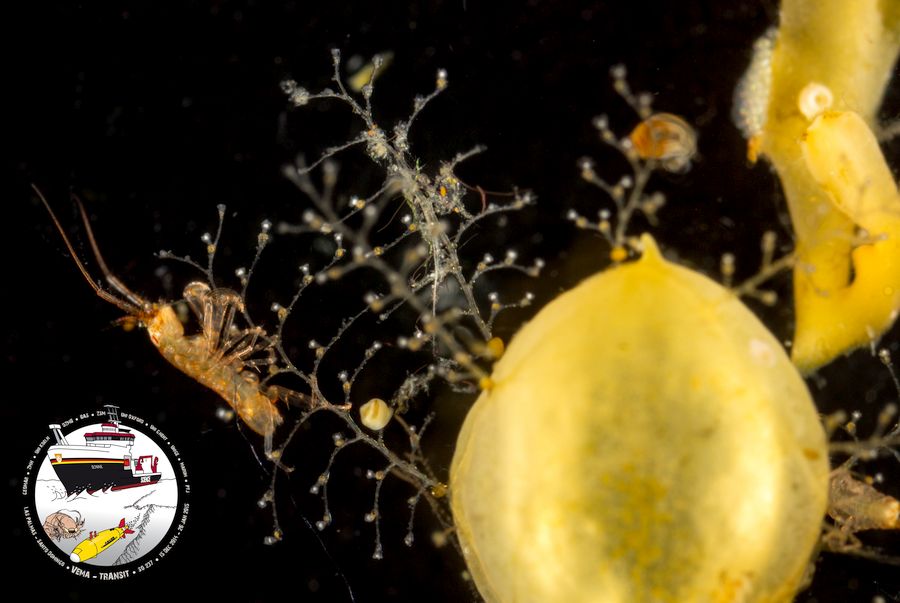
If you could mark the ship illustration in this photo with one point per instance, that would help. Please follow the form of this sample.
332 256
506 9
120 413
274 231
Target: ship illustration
104 462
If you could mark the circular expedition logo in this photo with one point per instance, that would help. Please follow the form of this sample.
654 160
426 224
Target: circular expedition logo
105 494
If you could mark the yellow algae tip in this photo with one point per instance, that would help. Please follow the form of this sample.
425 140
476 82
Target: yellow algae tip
844 159
645 439
830 56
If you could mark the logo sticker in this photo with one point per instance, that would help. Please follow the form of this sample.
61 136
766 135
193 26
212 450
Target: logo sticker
106 495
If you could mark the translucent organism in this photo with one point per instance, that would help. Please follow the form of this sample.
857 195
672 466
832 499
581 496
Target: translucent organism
646 439
416 271
666 138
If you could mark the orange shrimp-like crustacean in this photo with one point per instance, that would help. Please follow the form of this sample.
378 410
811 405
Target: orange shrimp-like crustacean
218 357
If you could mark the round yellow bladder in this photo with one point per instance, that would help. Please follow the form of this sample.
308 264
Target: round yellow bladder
646 439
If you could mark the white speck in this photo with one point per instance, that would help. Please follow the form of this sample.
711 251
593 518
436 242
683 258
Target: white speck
762 353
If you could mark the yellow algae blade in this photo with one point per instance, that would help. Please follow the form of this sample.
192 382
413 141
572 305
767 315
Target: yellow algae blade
645 439
844 159
850 48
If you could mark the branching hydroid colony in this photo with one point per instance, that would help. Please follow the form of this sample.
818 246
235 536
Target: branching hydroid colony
420 275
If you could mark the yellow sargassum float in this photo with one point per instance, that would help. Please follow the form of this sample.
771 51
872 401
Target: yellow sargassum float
646 439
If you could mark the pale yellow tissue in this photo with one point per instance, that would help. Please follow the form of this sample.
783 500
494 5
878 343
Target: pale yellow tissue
645 439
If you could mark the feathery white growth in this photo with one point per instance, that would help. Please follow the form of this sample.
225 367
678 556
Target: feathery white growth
751 97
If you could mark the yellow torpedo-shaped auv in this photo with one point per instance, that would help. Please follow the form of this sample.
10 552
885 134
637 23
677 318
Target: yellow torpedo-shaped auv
91 547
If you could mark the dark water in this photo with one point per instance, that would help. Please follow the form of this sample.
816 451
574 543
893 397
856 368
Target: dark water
154 114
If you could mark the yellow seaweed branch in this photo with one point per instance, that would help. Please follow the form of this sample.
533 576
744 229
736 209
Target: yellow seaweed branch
842 199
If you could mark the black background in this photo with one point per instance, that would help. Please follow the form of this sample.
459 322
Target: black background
156 112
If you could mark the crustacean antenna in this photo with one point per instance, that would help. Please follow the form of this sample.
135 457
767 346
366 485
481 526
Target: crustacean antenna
134 303
112 279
